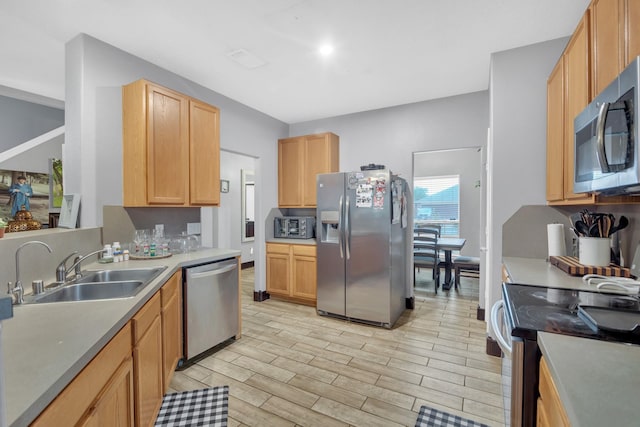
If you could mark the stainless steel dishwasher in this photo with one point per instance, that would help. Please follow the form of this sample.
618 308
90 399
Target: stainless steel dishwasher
210 297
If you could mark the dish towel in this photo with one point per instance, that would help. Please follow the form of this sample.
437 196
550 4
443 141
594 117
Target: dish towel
205 407
429 417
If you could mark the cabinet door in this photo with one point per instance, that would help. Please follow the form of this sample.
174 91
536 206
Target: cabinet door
278 269
632 30
147 362
578 94
171 327
607 35
167 147
555 133
204 154
304 273
290 172
115 407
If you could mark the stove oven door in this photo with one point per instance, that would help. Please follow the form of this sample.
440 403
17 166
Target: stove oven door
512 365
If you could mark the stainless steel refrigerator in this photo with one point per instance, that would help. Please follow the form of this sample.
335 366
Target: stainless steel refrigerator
362 246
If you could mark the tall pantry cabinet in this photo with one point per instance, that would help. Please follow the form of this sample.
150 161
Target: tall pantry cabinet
171 148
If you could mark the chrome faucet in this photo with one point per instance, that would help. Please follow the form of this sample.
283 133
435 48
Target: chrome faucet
18 291
62 271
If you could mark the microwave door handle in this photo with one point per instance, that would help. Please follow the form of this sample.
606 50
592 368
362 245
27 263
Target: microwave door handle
601 153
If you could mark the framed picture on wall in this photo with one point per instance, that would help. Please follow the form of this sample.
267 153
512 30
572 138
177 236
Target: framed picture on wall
69 211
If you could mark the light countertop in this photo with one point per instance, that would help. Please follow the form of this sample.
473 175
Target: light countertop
311 241
597 381
531 271
47 345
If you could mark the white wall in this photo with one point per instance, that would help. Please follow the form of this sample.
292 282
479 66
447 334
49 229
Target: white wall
95 73
518 91
230 222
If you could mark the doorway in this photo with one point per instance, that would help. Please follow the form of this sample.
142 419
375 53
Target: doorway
448 192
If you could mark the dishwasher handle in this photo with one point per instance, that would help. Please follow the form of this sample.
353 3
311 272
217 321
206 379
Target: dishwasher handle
212 273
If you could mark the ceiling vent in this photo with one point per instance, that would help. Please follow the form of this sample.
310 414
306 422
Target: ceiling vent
246 58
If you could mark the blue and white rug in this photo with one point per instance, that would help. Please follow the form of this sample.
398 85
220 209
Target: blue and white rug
205 407
429 417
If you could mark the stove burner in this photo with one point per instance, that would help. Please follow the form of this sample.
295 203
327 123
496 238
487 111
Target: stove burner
623 302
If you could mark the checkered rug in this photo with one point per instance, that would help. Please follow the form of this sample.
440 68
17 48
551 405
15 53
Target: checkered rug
429 417
206 407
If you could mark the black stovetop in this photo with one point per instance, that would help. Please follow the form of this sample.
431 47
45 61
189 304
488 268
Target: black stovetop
535 308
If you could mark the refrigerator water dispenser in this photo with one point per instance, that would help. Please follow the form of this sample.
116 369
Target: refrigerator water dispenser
329 232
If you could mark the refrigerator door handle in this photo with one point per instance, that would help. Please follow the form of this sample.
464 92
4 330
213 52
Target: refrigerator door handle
340 227
347 230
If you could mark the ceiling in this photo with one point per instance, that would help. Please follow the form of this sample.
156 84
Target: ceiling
386 52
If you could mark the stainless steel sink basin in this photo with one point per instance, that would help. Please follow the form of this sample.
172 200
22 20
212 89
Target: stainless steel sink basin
93 291
141 274
102 284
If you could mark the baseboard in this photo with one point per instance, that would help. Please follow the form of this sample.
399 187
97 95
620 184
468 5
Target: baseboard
493 349
247 264
480 313
410 303
260 296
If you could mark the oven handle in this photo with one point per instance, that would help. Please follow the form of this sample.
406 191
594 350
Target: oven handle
502 342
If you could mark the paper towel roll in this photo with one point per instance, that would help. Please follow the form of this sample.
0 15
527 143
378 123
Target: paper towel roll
555 238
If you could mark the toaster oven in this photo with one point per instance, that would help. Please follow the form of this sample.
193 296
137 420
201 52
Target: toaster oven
294 227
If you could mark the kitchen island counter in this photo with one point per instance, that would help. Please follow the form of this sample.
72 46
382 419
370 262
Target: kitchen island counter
47 345
597 380
538 272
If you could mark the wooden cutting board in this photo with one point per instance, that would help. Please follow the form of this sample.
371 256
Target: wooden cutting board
570 265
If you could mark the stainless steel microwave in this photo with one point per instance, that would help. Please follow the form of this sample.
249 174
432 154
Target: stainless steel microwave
294 227
606 138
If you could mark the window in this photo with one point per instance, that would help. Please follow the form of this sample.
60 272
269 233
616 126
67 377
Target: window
436 200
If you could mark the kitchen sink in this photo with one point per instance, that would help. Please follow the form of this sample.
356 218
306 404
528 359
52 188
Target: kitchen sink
93 291
103 276
101 285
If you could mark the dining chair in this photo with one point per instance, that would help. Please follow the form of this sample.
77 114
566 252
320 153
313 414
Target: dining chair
425 253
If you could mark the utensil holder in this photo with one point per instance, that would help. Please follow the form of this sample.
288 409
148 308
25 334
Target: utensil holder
595 251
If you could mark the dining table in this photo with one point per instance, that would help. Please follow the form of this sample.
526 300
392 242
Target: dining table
447 245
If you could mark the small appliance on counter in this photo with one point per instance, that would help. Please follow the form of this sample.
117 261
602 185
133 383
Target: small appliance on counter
294 227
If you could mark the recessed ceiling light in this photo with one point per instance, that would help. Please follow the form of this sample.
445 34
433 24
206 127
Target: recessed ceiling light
326 50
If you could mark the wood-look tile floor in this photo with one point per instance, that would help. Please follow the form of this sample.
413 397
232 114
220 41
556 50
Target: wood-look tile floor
294 368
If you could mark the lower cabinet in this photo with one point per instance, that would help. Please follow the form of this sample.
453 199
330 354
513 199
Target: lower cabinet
291 272
550 412
125 382
102 393
171 327
147 362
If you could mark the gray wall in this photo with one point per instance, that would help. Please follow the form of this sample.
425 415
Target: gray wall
21 121
95 73
389 136
468 165
518 92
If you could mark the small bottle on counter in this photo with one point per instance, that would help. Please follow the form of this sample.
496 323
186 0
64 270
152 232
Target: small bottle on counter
152 249
125 255
107 253
117 252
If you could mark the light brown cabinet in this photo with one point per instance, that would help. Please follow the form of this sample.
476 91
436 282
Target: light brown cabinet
171 148
291 272
605 41
300 159
550 411
147 362
102 392
171 327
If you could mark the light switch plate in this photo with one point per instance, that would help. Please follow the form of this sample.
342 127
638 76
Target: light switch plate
193 228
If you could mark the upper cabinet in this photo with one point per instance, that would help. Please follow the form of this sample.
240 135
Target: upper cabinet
171 148
605 41
300 159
